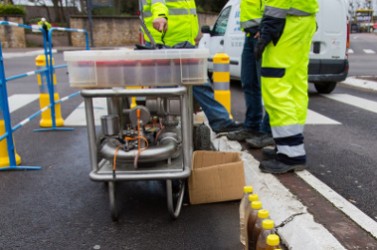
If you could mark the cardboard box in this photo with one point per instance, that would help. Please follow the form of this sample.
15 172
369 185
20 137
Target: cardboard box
216 176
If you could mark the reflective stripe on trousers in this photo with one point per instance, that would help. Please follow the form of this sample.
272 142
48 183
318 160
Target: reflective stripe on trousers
285 86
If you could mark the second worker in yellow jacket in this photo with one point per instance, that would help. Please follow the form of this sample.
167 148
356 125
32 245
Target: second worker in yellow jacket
287 30
174 23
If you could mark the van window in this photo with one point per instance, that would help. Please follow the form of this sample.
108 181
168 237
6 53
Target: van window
221 22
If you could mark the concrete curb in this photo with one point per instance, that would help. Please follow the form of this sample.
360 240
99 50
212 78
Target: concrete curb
302 232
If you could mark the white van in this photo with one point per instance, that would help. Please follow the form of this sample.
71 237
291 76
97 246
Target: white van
328 56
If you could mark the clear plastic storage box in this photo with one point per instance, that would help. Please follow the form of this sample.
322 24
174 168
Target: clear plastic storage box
123 67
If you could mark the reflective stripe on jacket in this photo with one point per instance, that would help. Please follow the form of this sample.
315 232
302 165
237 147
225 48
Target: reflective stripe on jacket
282 8
251 13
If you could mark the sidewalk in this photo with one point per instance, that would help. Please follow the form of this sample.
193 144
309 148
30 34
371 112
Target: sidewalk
289 198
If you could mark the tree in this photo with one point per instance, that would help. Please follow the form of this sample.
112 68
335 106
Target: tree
8 2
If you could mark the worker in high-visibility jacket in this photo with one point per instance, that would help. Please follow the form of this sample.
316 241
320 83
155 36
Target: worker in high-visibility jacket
175 20
256 128
177 24
148 21
45 26
287 30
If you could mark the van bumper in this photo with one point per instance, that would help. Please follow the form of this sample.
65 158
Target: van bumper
321 70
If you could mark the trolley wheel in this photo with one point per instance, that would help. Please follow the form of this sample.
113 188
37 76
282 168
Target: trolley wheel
175 196
113 206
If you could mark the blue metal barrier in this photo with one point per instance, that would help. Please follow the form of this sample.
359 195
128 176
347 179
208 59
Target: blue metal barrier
7 122
4 105
47 38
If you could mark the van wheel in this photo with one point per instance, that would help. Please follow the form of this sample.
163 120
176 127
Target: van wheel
325 87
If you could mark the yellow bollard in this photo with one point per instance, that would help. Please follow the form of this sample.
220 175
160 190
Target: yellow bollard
221 80
44 98
4 157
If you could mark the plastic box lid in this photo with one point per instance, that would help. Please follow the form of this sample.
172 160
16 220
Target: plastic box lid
127 54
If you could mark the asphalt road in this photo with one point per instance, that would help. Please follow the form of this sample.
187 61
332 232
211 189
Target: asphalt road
59 207
361 57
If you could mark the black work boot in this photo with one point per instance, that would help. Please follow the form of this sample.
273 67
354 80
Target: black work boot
242 134
277 167
260 141
232 128
269 153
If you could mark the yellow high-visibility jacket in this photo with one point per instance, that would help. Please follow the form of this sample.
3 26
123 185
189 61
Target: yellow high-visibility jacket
183 24
251 13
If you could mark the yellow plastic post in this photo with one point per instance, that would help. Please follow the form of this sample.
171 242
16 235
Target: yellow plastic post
44 98
221 80
4 156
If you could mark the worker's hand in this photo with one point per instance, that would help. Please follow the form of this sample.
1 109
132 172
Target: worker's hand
257 35
271 29
160 24
259 48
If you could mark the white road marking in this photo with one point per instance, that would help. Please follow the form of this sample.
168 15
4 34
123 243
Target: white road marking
7 55
354 101
277 198
77 117
18 101
369 51
363 220
360 83
317 119
350 51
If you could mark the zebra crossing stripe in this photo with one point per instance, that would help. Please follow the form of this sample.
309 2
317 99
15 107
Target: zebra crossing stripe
315 118
369 51
77 117
20 100
354 101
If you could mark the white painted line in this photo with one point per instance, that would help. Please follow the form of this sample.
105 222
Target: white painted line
8 55
317 119
369 51
18 101
351 81
350 51
354 101
300 233
364 221
77 117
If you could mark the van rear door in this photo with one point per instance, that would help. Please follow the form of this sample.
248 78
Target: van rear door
328 57
329 42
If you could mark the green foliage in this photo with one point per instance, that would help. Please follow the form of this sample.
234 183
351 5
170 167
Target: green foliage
103 11
8 9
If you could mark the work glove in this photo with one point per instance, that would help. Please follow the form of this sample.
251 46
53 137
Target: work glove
160 24
259 48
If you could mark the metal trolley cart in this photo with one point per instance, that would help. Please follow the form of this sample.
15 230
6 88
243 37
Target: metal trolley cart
146 140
